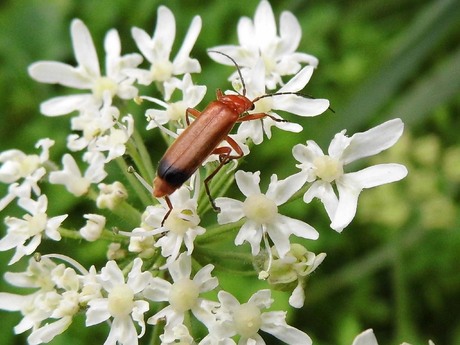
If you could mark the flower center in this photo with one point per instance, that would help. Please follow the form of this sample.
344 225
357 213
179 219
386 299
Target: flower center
121 300
327 168
260 209
162 70
28 165
37 223
247 319
176 111
181 222
104 84
183 295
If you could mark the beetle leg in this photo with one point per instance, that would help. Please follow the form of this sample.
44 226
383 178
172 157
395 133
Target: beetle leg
191 112
256 116
219 94
168 202
224 158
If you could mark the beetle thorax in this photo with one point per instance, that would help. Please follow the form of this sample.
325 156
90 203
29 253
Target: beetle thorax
238 103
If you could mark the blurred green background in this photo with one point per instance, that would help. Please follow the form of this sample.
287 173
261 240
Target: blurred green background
395 269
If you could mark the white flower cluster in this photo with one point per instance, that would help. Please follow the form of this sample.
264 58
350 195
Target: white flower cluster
165 281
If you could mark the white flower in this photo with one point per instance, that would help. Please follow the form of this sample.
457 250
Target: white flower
87 75
71 177
157 51
94 225
179 335
25 234
115 140
247 319
181 226
323 169
16 165
183 294
365 338
294 267
259 39
294 104
192 95
123 303
57 299
93 122
261 212
111 195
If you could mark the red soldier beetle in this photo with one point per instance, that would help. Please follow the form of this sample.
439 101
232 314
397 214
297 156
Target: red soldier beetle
202 137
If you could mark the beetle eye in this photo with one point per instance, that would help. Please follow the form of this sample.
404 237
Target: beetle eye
252 106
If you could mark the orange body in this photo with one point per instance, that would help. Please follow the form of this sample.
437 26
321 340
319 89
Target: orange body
199 141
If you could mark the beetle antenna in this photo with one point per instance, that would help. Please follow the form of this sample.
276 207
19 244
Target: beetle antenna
236 65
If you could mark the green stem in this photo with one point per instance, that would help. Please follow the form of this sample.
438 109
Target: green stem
139 189
214 233
140 156
106 235
123 210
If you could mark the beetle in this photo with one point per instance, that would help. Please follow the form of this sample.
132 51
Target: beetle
201 139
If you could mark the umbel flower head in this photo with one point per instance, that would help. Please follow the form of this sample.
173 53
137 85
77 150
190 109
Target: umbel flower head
158 274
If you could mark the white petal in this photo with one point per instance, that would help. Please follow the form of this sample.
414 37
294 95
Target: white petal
373 141
338 145
248 182
302 106
250 232
297 297
165 32
305 58
84 50
264 23
323 191
348 201
289 127
158 290
97 311
63 105
307 153
282 191
246 33
274 323
227 300
112 46
299 81
231 210
181 268
296 227
52 72
262 299
112 275
47 332
204 279
144 44
190 39
12 302
366 338
290 32
122 331
375 175
138 280
279 235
